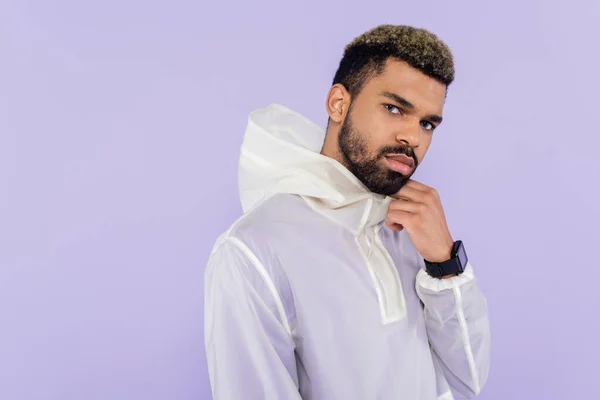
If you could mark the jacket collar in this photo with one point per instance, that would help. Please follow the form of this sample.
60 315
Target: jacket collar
281 154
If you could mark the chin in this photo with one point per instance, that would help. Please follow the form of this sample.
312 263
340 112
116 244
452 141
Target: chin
389 189
395 187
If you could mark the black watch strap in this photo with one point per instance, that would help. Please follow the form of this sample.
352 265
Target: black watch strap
454 266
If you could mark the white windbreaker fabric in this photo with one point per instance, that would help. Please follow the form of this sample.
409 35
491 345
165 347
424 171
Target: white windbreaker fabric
310 296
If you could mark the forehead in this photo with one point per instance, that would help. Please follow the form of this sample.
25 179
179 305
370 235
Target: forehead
427 94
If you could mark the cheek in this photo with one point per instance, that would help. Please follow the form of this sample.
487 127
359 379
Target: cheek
368 137
378 133
421 151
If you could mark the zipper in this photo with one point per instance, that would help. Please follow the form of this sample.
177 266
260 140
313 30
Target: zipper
396 277
374 278
388 270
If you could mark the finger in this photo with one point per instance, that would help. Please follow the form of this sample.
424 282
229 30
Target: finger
427 190
407 206
398 218
427 193
410 193
417 185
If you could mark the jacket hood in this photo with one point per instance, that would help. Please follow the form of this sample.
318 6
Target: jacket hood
281 154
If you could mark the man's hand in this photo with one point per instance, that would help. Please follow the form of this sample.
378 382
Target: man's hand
418 209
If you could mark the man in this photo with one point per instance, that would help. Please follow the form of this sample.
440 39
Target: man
342 280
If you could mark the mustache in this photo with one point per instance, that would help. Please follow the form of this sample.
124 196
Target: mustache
406 150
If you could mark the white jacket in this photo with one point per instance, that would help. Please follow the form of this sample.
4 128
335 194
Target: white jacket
310 296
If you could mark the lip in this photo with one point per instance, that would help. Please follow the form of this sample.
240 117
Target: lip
403 158
400 163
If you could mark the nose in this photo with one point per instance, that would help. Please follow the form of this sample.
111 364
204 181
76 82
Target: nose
410 134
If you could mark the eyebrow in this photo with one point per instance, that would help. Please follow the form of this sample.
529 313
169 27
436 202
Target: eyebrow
407 104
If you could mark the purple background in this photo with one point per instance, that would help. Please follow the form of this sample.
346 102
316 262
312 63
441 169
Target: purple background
120 126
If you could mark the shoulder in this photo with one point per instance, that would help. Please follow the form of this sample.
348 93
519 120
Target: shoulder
257 228
245 254
270 215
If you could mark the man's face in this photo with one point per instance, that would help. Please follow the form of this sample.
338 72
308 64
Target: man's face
390 124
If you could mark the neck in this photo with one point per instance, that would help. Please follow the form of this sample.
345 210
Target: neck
331 149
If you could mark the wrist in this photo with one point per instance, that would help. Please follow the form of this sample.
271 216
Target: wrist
444 254
447 264
448 276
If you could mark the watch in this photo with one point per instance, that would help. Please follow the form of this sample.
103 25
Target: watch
454 266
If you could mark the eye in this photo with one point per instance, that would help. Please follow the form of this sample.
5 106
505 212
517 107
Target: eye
427 125
392 109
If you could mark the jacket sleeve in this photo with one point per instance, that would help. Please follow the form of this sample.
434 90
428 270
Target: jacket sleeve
456 319
249 348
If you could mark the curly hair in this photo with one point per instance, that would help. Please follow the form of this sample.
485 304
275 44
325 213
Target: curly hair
365 57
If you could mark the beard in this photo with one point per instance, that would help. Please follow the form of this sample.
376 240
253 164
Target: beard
371 170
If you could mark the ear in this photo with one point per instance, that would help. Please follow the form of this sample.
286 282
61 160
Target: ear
338 102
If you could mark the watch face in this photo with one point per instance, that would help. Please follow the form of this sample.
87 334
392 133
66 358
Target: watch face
462 255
